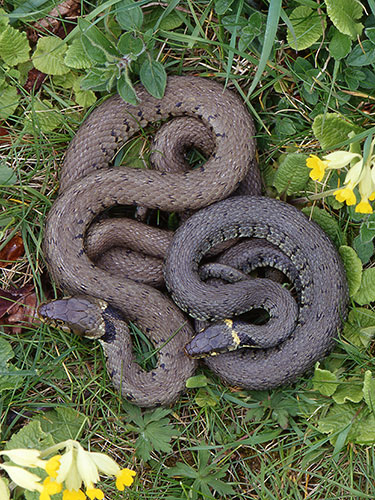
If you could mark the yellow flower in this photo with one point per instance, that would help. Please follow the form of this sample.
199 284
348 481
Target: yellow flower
73 495
53 465
124 478
345 194
317 166
93 493
364 207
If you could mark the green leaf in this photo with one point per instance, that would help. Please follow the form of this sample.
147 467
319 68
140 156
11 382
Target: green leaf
307 27
9 100
168 22
369 390
62 423
328 223
96 79
324 381
206 399
362 55
129 15
43 117
292 174
221 6
76 56
344 14
359 328
126 90
330 129
353 268
84 98
130 45
4 19
14 46
30 436
97 45
154 77
7 177
350 391
364 250
9 376
339 46
197 381
49 56
366 292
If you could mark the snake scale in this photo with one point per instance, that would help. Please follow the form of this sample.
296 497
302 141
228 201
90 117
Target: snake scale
89 185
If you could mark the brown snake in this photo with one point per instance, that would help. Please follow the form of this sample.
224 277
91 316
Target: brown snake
88 186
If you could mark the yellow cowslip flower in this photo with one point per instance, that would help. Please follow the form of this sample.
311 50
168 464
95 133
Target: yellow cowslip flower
73 495
364 207
124 478
95 493
317 166
23 478
345 194
340 159
53 465
24 457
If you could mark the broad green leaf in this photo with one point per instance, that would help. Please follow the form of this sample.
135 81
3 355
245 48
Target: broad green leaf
345 15
168 23
96 45
49 56
126 90
7 176
340 45
197 381
128 44
339 418
369 390
96 79
76 56
14 46
205 398
330 129
362 55
129 15
307 26
350 391
324 381
43 117
221 6
4 19
155 435
182 470
9 99
84 98
30 436
353 268
328 223
370 33
366 292
9 378
364 250
292 174
154 77
359 328
62 423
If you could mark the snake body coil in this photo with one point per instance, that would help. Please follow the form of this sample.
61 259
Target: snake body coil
89 186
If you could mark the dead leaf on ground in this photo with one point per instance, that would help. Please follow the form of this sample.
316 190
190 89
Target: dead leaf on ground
12 251
18 307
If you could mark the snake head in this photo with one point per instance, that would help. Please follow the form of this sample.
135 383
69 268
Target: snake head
80 315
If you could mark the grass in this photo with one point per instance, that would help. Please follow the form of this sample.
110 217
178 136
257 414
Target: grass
266 445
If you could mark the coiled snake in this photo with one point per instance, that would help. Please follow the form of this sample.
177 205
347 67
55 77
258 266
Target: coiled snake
88 186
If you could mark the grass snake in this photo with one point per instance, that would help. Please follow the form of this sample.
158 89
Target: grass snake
89 185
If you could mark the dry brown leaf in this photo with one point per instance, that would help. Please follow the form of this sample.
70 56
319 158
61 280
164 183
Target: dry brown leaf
18 307
12 251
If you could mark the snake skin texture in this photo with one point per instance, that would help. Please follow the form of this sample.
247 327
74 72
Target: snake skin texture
89 185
